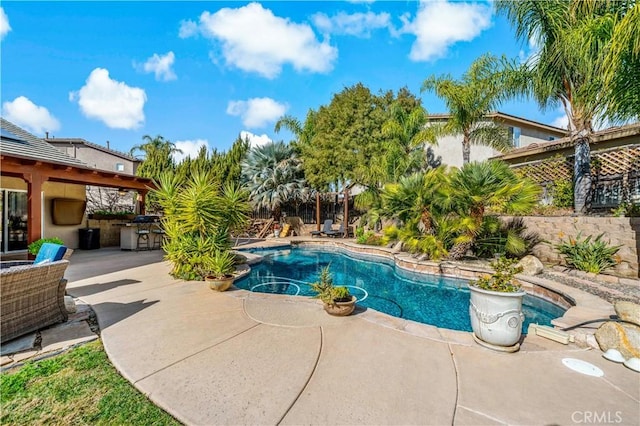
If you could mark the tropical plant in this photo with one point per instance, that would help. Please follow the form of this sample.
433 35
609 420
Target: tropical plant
326 291
502 278
35 246
587 255
582 45
273 175
221 265
406 137
508 238
198 216
478 188
157 154
469 100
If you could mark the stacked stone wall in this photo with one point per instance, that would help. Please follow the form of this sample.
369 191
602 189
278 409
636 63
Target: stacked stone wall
109 231
622 231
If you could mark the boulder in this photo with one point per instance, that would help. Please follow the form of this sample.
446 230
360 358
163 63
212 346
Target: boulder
531 265
70 304
628 311
623 337
397 247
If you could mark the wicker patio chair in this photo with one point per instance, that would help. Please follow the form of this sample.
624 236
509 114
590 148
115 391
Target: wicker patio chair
31 297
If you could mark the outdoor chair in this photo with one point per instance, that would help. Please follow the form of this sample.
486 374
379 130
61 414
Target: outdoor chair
326 228
49 252
143 234
31 297
158 236
338 233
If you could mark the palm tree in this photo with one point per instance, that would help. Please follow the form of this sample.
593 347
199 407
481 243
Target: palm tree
469 100
273 174
581 44
489 185
407 136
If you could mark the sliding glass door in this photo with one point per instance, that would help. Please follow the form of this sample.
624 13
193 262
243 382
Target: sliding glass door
13 235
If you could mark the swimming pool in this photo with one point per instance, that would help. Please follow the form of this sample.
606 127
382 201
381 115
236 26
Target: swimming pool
378 284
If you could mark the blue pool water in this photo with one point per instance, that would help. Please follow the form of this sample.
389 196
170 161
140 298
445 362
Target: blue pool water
378 284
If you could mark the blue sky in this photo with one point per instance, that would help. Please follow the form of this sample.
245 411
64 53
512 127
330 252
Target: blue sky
203 72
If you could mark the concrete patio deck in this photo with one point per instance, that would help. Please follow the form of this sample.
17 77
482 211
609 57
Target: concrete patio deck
246 358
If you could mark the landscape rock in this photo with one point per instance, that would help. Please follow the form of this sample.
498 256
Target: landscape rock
531 265
70 304
397 247
623 337
628 311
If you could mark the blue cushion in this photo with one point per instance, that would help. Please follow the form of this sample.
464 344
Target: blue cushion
50 252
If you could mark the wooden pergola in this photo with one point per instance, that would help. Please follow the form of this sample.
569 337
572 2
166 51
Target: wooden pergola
36 172
346 212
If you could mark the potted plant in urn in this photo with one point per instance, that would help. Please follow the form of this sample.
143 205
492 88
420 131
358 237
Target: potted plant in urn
337 299
496 307
221 267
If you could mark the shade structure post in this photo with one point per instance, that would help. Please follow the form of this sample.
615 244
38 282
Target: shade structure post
318 211
346 213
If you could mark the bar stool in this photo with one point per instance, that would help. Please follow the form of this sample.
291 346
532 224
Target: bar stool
142 237
158 237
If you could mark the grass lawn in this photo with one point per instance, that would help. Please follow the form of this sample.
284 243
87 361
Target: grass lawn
77 387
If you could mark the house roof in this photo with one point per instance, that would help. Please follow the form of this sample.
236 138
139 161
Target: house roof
80 141
504 116
19 143
565 142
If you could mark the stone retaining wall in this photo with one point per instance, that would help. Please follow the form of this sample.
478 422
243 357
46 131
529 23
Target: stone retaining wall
623 231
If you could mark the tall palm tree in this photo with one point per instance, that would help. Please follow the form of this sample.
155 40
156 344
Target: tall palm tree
273 175
469 100
571 66
406 139
488 185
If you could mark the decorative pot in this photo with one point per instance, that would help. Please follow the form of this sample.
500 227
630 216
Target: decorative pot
276 233
219 284
496 317
341 309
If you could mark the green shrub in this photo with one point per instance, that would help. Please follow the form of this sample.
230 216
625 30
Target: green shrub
509 238
562 191
502 279
369 238
35 246
587 254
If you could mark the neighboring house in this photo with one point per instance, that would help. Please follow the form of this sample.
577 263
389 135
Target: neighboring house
615 162
102 158
522 132
38 183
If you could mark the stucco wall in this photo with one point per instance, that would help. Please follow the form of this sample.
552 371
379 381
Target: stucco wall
68 234
95 158
622 231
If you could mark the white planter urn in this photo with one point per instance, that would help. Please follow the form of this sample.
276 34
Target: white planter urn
496 318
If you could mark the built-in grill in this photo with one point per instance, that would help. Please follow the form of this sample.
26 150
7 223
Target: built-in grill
145 218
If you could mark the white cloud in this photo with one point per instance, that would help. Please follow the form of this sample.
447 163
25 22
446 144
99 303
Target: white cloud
255 140
253 39
188 28
25 113
113 102
356 24
561 121
189 148
257 112
4 23
440 24
161 65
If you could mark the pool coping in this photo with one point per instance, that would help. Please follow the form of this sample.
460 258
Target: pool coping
580 305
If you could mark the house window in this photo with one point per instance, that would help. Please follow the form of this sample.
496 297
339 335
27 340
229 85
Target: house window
119 167
514 132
